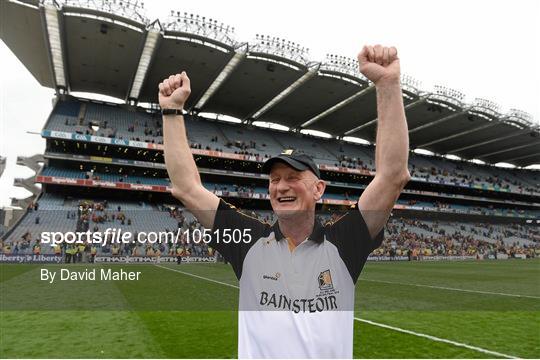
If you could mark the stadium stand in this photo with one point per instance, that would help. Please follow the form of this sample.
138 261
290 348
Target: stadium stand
250 190
112 121
74 174
62 214
407 235
413 238
104 159
404 237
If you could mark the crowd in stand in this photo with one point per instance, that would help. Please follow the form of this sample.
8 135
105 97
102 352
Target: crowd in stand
245 148
98 213
402 237
354 163
242 189
96 216
401 240
95 128
196 145
459 176
486 210
242 148
153 133
26 243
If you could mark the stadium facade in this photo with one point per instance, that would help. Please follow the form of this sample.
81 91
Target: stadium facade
104 164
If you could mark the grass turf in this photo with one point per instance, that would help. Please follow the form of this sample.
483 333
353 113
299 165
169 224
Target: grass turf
172 315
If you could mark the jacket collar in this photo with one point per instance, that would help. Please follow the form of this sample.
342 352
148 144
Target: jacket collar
317 235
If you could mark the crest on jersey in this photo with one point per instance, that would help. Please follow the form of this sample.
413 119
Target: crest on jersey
325 280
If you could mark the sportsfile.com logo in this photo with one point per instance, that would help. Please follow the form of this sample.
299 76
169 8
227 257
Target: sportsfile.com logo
274 277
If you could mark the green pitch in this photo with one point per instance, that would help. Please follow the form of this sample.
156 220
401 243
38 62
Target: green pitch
404 310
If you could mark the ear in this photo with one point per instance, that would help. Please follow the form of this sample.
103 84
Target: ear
319 188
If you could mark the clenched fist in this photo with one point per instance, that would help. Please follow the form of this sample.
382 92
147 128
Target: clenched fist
379 64
174 91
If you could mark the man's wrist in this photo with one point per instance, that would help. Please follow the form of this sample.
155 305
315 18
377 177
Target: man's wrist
388 83
174 111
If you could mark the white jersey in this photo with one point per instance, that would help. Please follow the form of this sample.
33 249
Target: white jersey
296 303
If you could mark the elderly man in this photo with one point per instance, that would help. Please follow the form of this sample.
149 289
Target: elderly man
297 277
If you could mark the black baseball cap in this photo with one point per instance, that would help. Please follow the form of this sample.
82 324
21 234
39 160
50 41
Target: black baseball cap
296 159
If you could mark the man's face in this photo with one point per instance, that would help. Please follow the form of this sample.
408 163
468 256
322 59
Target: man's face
292 191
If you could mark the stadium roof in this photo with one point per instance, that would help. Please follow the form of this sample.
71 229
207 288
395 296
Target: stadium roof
2 164
111 48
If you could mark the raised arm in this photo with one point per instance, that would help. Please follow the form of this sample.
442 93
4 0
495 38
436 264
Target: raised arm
185 179
381 66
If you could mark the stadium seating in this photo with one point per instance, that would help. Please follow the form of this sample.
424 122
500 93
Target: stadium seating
238 137
115 121
448 207
74 174
57 213
405 237
426 238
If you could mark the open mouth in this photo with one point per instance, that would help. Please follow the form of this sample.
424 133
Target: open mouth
285 199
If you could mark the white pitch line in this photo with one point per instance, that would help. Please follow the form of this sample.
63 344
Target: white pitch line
453 289
430 337
198 277
434 338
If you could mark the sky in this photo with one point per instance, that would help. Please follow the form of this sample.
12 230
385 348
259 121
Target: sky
488 49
